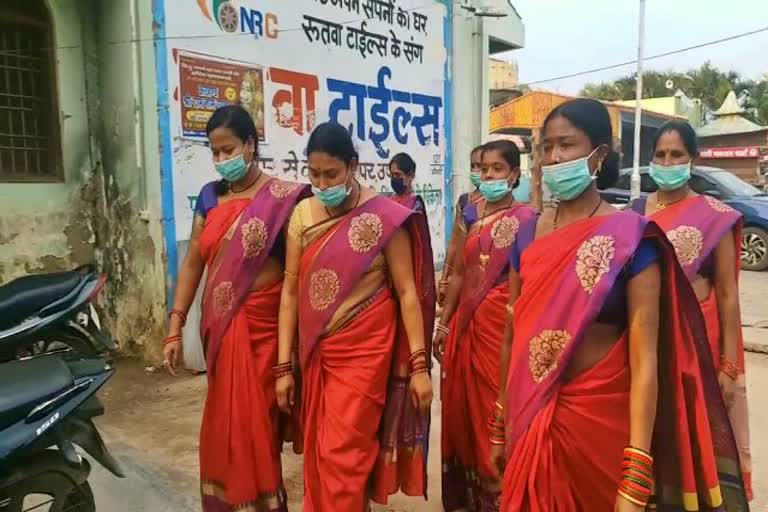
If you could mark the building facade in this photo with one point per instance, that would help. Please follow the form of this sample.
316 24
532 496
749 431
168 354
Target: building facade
102 144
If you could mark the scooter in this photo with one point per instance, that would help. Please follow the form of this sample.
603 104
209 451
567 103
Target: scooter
46 410
53 312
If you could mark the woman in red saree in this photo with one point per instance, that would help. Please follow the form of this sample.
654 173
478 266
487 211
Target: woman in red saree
238 236
706 235
493 234
611 401
465 199
359 290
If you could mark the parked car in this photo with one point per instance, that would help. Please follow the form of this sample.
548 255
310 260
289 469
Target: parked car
719 183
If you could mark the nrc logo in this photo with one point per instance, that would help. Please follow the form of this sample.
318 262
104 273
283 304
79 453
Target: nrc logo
232 19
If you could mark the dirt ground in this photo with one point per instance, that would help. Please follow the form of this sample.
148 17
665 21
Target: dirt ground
153 421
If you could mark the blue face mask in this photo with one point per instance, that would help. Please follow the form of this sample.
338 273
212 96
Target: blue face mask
474 177
670 177
332 196
232 170
568 179
494 190
398 185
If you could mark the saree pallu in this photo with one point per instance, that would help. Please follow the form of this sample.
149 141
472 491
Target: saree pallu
470 385
242 430
363 438
695 227
565 438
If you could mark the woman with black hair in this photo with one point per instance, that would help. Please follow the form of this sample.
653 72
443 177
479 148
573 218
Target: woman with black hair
238 236
492 235
476 163
706 235
359 296
609 392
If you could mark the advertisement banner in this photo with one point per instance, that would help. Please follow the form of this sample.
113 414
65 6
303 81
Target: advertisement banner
375 66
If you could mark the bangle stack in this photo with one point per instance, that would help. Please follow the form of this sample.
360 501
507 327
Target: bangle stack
729 368
282 369
419 362
496 425
443 329
171 339
179 313
636 476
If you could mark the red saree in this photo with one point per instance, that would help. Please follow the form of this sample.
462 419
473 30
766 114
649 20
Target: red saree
471 363
240 436
695 227
362 437
565 438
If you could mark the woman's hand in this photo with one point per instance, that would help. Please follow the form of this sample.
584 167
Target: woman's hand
172 355
285 393
421 392
438 346
498 460
727 388
624 505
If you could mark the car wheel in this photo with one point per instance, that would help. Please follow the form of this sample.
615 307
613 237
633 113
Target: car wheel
754 249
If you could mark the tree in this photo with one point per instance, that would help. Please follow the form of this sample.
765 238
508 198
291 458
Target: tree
707 83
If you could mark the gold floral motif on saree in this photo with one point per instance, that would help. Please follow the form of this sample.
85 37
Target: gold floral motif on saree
716 205
504 231
254 237
687 241
365 231
324 286
281 189
544 352
223 297
593 260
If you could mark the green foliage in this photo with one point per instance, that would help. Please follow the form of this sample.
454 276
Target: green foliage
707 83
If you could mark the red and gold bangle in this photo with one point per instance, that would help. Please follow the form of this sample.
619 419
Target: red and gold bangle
496 432
282 369
443 329
636 483
729 368
179 313
171 339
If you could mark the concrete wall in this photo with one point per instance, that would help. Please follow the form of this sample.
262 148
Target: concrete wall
107 209
470 77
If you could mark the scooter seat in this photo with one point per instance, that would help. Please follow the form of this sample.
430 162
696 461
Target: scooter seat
25 296
26 384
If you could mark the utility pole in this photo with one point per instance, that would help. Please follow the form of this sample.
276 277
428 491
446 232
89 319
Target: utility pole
635 181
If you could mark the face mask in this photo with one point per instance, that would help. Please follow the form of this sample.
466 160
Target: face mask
670 177
398 185
494 190
475 179
332 196
568 179
232 170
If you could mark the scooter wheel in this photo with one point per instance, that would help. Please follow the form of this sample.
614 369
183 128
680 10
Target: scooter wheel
80 500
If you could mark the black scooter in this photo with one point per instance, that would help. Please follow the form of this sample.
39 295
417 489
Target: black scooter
46 410
53 312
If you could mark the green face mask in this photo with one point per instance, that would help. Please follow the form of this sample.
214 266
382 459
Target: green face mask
474 177
670 177
494 190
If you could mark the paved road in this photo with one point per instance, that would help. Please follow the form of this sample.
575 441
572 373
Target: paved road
152 424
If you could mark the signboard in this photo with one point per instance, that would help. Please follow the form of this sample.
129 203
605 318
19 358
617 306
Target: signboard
374 66
207 83
730 153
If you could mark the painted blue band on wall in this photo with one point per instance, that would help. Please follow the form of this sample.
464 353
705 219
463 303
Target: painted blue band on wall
448 112
166 150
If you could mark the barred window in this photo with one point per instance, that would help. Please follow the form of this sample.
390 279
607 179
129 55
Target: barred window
29 126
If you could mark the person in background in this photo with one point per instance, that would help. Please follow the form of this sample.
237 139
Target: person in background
706 235
492 235
352 300
610 401
402 169
238 235
476 162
